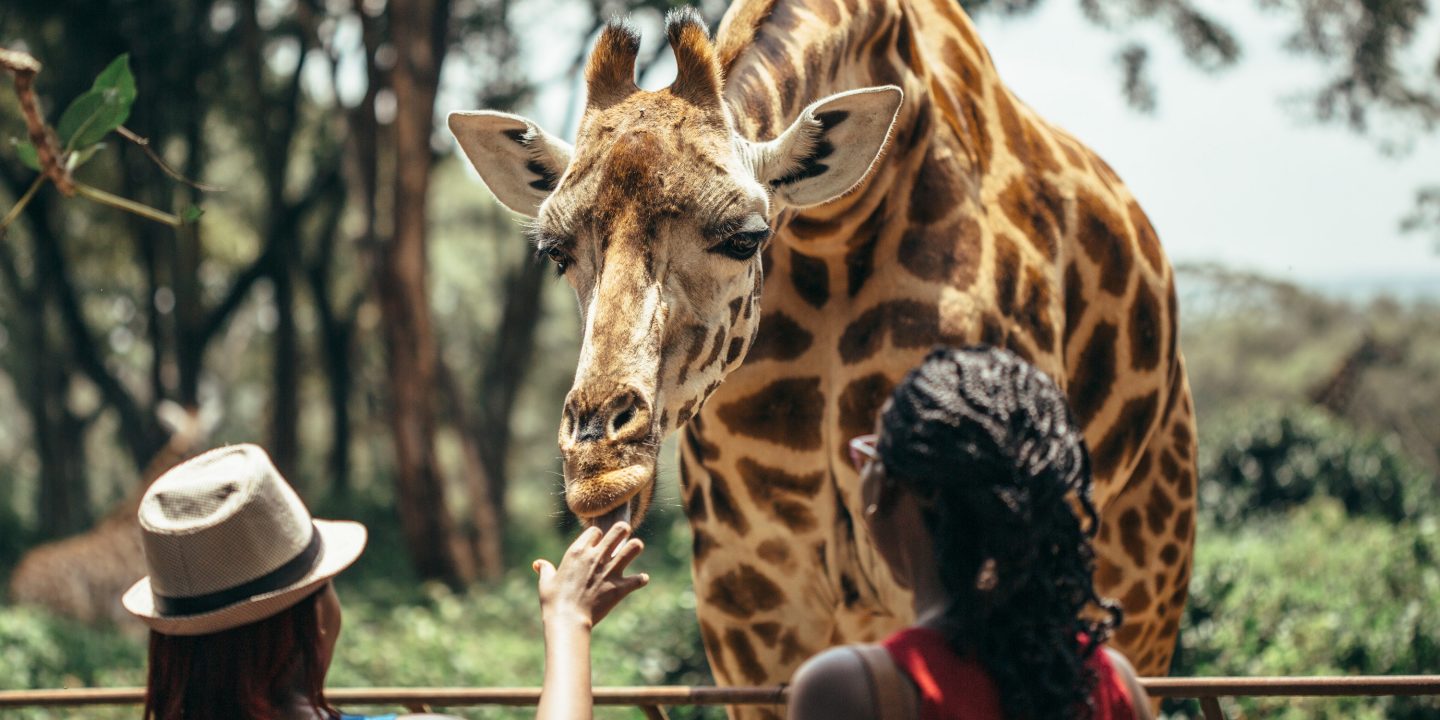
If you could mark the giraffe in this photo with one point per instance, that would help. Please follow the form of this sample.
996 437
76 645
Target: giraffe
82 577
827 190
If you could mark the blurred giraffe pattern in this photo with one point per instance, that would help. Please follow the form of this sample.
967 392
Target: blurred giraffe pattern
82 577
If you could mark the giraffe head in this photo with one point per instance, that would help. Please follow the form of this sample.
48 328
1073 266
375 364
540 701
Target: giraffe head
657 218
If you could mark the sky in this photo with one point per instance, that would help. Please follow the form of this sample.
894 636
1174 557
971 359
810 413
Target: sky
1226 168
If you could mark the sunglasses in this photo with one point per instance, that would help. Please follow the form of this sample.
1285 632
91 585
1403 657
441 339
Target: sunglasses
862 451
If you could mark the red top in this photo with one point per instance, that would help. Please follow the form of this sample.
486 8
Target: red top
957 688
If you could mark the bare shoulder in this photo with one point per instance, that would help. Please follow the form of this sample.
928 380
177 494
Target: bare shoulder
830 685
1132 681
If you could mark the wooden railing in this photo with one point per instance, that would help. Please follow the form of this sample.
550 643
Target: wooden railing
653 700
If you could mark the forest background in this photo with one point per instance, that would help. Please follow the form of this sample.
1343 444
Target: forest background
333 282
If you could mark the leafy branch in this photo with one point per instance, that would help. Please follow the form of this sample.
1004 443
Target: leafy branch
57 152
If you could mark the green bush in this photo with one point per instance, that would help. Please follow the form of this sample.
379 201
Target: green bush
1278 458
1316 592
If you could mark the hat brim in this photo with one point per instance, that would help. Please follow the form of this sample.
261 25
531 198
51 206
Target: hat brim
342 543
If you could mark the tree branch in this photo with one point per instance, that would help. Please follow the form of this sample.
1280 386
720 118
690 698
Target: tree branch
47 148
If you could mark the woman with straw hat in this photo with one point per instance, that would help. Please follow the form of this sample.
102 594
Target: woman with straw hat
243 614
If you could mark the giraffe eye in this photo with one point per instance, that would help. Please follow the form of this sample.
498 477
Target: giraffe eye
555 254
745 240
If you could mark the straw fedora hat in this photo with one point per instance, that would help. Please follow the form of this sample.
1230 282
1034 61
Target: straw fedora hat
228 543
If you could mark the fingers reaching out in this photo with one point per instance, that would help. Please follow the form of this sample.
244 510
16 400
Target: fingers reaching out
590 581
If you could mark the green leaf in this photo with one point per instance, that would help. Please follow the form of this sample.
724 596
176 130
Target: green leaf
117 76
99 110
192 214
26 151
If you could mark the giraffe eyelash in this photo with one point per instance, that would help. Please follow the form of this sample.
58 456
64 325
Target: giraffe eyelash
550 248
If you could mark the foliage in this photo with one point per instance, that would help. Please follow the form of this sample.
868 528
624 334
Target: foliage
1277 458
88 119
1315 591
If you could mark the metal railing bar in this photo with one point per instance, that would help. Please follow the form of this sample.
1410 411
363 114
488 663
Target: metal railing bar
435 697
1372 685
1199 688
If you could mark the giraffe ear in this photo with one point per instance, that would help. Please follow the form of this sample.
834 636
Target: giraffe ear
831 147
519 162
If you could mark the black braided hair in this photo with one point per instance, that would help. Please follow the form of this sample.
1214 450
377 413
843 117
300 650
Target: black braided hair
988 444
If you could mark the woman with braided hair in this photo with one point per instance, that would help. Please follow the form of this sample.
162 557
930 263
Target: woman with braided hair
977 492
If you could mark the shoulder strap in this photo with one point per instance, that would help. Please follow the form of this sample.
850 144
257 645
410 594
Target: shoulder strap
893 699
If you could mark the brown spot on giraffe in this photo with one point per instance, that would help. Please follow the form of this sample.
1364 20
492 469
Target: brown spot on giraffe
775 552
1137 599
1128 634
948 253
1036 208
1145 238
1033 314
768 632
780 338
1146 323
1127 435
1007 274
744 592
701 544
811 279
790 648
744 654
1132 536
1025 143
776 490
1095 373
737 346
1103 237
723 505
786 412
907 324
1170 554
860 401
1182 525
935 186
1159 510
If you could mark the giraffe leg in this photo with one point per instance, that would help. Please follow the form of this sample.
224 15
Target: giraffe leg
1146 542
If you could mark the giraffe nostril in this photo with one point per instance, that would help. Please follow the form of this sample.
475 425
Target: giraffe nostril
622 419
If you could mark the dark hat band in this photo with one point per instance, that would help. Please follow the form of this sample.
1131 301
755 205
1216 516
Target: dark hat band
287 574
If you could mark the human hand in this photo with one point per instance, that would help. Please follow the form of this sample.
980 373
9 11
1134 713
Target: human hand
590 581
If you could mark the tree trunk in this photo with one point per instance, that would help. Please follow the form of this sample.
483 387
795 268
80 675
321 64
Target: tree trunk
285 391
504 374
62 504
435 548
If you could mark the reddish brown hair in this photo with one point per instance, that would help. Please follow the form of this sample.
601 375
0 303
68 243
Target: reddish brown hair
238 674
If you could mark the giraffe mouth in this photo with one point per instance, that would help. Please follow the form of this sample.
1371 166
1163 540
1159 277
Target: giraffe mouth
610 497
614 517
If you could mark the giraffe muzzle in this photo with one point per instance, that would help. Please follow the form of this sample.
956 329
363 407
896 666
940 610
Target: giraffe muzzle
607 439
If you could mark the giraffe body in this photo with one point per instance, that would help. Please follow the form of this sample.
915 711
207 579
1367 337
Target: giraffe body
979 223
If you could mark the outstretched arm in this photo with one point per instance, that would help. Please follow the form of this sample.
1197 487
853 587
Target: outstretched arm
573 598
